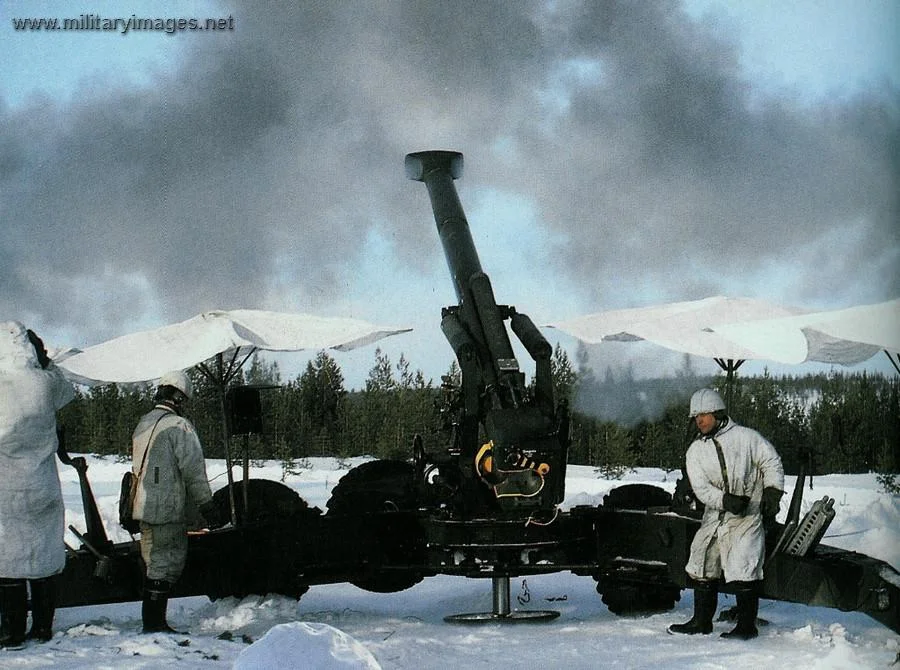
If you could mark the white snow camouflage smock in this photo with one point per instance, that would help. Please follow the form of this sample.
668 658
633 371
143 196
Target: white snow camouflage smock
32 514
175 470
726 542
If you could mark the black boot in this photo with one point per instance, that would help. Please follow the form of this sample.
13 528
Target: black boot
43 606
13 613
153 610
706 598
747 596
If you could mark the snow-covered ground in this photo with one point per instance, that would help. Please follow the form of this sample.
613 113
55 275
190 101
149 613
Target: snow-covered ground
340 626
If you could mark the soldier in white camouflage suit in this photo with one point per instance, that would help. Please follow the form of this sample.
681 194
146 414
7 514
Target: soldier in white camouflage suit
737 474
32 514
168 460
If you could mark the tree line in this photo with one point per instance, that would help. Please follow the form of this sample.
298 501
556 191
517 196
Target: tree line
829 423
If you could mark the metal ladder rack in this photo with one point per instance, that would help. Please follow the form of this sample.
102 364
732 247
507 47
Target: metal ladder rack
800 538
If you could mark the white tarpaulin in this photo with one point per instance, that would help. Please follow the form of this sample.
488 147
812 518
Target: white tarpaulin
681 326
749 329
147 355
846 336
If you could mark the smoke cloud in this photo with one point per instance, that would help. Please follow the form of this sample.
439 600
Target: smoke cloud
253 174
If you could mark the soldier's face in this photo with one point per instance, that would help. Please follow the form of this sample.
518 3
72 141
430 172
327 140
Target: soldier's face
705 422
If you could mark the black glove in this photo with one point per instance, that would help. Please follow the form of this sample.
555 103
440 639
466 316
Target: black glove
211 514
735 504
771 501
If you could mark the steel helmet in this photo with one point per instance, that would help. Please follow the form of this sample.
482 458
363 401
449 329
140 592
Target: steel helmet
178 379
706 401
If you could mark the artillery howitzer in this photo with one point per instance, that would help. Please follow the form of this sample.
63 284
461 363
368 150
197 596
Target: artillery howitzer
485 504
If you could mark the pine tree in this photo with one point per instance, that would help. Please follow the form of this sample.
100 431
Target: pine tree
565 378
322 397
379 407
261 373
615 450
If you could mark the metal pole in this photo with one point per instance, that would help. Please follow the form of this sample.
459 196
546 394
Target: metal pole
221 385
893 362
501 595
246 476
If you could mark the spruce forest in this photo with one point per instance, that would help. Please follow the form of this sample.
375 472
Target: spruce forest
832 423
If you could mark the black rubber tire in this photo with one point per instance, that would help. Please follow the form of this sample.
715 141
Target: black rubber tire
383 486
637 496
295 590
627 599
375 486
269 502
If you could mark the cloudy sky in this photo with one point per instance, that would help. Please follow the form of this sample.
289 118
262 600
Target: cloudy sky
618 154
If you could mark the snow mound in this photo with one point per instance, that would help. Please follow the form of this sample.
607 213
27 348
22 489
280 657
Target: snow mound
318 645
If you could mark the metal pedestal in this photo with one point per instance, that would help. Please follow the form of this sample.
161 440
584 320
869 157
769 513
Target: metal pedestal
502 612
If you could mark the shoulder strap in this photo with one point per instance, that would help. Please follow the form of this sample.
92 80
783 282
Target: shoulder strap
721 462
147 450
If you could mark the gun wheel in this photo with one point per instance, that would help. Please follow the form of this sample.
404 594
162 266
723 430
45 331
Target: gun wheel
637 496
368 490
267 502
626 599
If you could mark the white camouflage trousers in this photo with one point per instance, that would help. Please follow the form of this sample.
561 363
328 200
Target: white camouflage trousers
164 550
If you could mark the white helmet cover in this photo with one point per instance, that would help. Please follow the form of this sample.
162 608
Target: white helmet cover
706 401
179 380
16 352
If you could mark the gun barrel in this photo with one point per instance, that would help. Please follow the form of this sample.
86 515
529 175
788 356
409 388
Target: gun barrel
479 309
438 169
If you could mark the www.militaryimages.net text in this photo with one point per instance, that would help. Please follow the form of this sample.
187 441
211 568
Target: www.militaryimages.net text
134 23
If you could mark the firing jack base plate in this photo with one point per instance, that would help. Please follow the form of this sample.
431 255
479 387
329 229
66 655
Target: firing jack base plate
517 616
